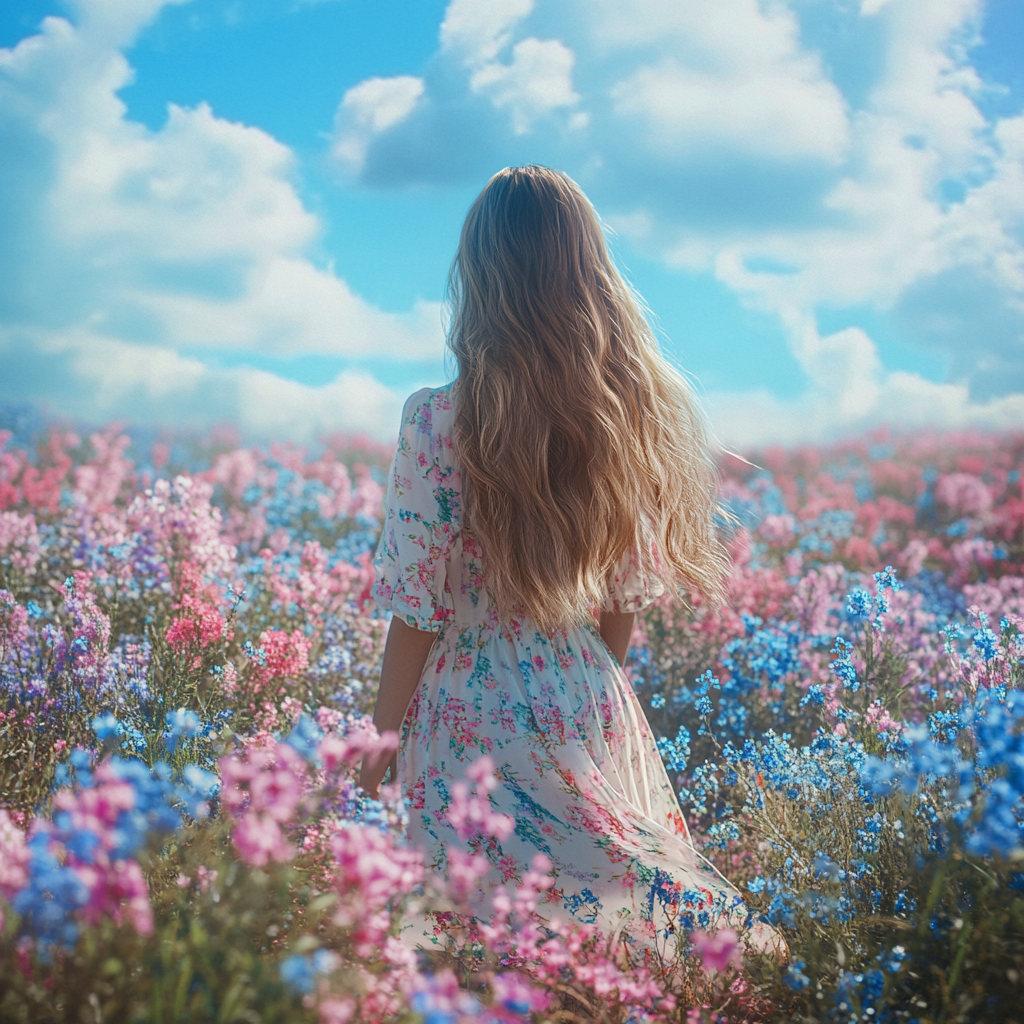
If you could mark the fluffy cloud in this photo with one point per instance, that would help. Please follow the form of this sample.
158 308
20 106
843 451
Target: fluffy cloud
450 123
476 31
131 245
536 82
369 108
99 377
729 75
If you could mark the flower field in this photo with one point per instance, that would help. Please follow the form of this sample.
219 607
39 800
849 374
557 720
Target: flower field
188 655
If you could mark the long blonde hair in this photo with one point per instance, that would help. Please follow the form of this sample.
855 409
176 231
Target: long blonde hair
578 441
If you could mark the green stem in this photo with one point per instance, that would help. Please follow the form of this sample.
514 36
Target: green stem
954 974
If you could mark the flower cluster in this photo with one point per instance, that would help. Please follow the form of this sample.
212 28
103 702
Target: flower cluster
865 742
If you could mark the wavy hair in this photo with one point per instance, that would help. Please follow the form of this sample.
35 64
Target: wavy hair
578 441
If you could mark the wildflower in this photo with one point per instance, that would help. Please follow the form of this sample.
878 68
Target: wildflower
258 840
470 813
794 976
815 695
886 579
986 642
14 857
718 952
514 993
298 974
305 737
858 603
182 724
106 725
202 785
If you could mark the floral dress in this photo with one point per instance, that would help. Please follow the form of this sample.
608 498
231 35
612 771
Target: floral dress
575 759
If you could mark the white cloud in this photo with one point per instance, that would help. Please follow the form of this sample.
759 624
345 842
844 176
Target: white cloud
371 107
354 402
288 306
894 235
153 385
200 188
532 85
478 30
538 81
778 114
117 22
718 138
754 418
730 74
136 244
848 392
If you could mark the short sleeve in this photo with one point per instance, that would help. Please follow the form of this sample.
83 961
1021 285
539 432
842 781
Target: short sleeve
631 588
422 519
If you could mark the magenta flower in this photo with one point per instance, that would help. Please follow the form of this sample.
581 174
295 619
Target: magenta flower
719 951
258 839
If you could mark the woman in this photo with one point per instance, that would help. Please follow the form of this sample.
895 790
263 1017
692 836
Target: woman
537 504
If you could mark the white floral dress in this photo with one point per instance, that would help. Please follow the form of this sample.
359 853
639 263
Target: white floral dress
575 759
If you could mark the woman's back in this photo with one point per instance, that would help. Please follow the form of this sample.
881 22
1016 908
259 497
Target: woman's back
431 570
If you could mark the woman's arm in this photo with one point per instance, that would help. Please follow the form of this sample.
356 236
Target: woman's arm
616 629
405 654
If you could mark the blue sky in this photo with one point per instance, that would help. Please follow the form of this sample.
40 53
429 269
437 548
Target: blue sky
228 210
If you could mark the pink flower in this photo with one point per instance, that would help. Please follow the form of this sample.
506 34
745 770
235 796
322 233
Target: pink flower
268 781
19 540
878 716
258 839
277 792
512 992
719 951
336 1011
201 626
777 529
14 857
963 494
464 872
335 751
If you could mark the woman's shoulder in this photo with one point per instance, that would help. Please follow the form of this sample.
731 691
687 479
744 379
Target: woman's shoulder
429 413
429 401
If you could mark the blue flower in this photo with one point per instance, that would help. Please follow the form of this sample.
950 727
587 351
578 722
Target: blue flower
858 603
886 579
825 867
106 725
257 654
181 724
676 753
815 695
202 786
986 642
298 974
795 978
705 681
324 961
305 737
